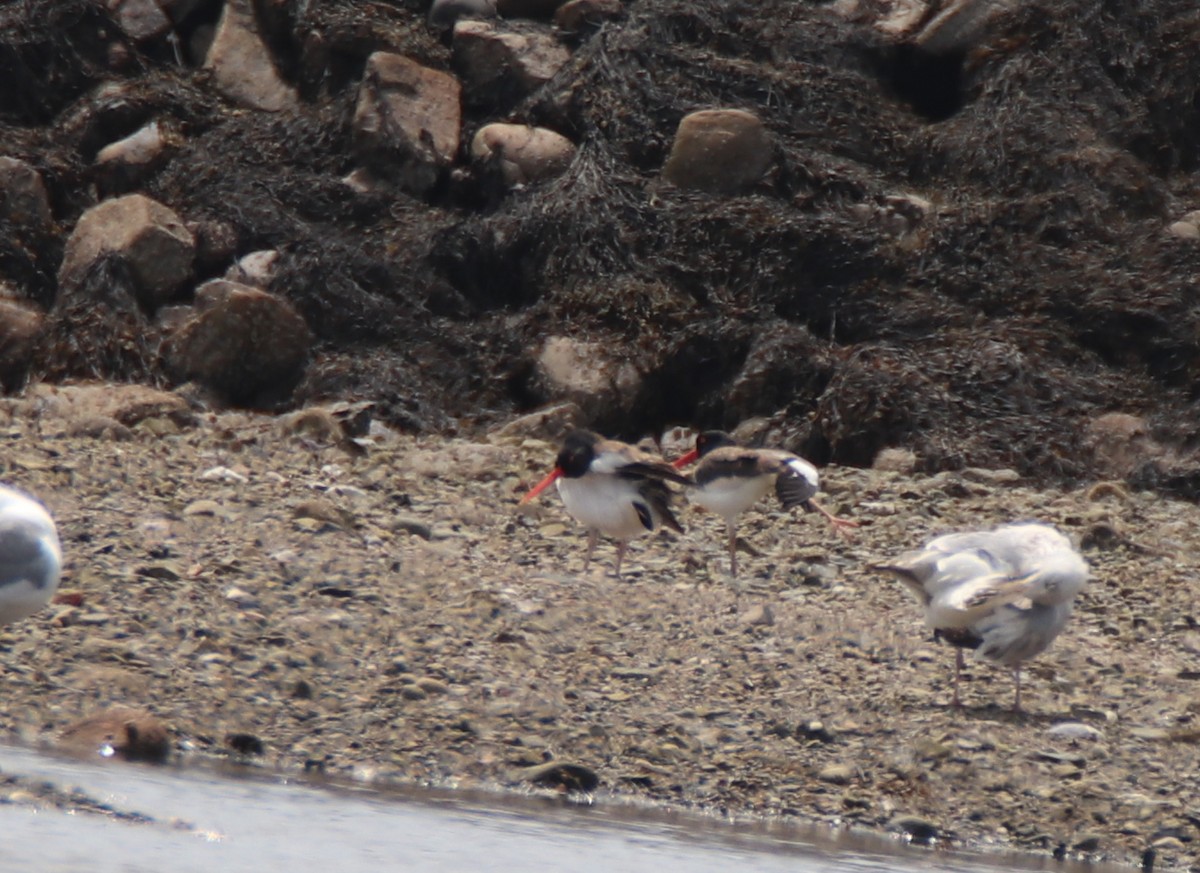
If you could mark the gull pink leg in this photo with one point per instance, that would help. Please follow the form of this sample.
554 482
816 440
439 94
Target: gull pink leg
958 665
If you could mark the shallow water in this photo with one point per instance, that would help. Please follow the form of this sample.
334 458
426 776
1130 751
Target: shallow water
207 821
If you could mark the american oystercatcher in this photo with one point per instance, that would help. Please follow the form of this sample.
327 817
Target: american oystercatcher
731 478
1006 593
30 556
613 488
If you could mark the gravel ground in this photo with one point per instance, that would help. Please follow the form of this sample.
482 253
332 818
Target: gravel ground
396 616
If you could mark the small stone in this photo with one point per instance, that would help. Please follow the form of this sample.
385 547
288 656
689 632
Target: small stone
414 526
255 269
23 198
562 775
1075 730
244 743
837 774
1149 733
577 15
550 423
324 510
431 685
140 20
720 151
127 162
1087 843
444 13
1184 230
919 830
413 692
522 154
895 460
759 615
241 598
133 734
204 507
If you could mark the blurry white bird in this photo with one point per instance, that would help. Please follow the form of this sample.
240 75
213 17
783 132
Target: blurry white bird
30 556
1006 593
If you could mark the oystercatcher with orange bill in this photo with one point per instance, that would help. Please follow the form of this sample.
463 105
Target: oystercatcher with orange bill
613 488
732 478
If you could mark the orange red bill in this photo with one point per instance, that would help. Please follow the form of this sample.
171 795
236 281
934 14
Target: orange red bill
542 486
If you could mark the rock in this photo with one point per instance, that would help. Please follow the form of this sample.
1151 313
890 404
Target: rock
325 511
577 15
496 58
20 327
407 120
837 774
1087 843
759 615
919 830
140 20
216 243
444 13
241 63
133 734
99 428
895 460
550 423
898 17
901 214
1120 443
23 198
523 154
961 25
148 236
1184 230
720 151
562 775
243 342
527 8
178 10
256 268
126 404
1075 730
127 162
244 743
241 598
584 373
